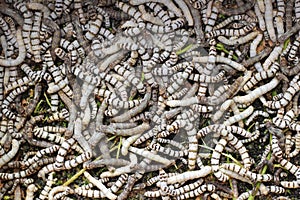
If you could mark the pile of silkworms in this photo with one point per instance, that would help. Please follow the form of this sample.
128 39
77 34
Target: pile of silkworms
136 99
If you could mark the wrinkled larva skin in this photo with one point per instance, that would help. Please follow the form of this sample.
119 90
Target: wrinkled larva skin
164 99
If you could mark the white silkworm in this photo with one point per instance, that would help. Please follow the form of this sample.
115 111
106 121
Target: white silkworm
269 20
272 57
240 40
31 189
107 193
189 175
221 59
258 92
150 155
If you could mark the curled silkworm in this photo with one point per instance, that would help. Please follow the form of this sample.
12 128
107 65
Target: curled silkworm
8 156
30 191
255 114
6 102
21 55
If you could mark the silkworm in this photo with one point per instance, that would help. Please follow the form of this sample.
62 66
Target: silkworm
186 188
88 193
57 116
293 49
107 193
290 167
178 82
68 164
8 156
215 160
176 24
240 147
30 191
108 162
260 76
287 97
288 14
212 18
269 20
146 153
230 19
243 172
203 188
50 181
59 82
240 40
35 35
189 175
224 60
272 57
126 116
12 95
21 55
40 154
254 94
27 172
10 39
231 32
129 76
132 131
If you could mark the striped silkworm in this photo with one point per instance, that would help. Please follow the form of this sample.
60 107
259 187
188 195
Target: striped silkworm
243 172
6 102
212 17
194 193
184 189
231 32
260 76
287 97
230 19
